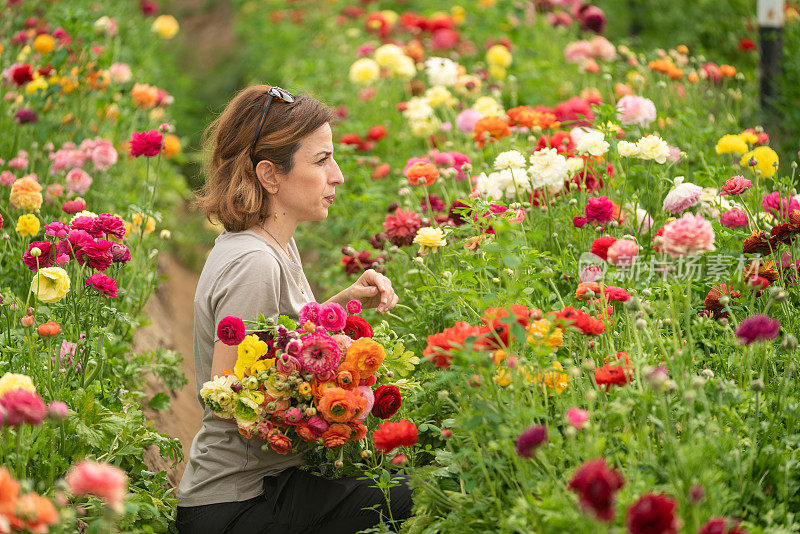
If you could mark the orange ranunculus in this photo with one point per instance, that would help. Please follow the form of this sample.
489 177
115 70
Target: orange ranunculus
612 374
584 288
9 492
49 329
617 213
347 376
34 513
26 194
392 435
422 171
490 128
496 333
337 435
340 405
359 431
145 96
172 145
305 433
318 388
727 71
530 118
366 355
280 443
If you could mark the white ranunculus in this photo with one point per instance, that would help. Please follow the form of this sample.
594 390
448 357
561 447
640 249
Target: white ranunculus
627 149
418 109
548 168
652 147
510 159
441 71
592 143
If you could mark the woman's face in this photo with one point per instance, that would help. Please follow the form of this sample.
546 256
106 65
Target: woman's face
307 191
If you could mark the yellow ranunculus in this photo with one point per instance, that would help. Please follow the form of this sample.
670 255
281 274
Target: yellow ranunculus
766 160
149 226
249 351
364 71
438 95
36 84
503 377
390 16
497 72
749 137
26 194
388 54
404 68
731 144
165 26
14 381
488 106
557 379
541 332
44 44
429 238
50 284
28 225
459 14
498 55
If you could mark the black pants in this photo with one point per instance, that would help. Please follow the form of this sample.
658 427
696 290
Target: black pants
298 502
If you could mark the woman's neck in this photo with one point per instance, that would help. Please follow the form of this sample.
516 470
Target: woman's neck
278 230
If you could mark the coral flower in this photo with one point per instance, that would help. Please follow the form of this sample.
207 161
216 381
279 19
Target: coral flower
402 227
596 485
337 435
736 186
581 320
365 355
691 234
756 328
490 128
389 436
622 252
422 173
440 346
105 481
35 512
653 514
49 329
612 374
577 417
280 443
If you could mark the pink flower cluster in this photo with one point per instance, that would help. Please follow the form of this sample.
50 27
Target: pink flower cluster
444 161
779 206
636 110
599 210
691 234
100 152
598 47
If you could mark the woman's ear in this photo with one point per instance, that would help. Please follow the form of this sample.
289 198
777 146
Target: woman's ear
265 171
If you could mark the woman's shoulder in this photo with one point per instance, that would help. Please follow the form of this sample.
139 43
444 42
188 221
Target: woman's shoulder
238 254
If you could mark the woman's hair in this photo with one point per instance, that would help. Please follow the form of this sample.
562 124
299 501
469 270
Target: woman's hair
232 193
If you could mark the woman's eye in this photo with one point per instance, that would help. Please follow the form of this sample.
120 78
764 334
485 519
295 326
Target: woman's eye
322 161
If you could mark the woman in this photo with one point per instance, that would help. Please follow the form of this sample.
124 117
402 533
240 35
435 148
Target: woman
271 168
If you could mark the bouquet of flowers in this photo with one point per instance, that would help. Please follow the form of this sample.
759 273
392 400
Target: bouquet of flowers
311 382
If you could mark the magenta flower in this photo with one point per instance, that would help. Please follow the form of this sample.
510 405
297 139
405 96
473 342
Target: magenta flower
147 144
332 317
46 257
120 253
97 254
579 221
599 210
231 330
736 186
734 218
577 417
530 440
354 307
309 312
319 354
104 284
779 206
757 327
108 224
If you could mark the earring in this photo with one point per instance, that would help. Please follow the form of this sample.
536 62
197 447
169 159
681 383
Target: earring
276 215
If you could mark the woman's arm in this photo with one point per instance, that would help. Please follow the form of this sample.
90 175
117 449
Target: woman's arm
224 358
373 290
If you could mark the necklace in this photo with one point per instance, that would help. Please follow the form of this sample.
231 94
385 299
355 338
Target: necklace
288 255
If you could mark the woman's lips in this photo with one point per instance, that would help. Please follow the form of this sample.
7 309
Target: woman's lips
330 199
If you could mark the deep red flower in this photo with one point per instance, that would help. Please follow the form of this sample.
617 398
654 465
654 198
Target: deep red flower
376 133
108 224
721 525
360 262
560 140
231 330
104 284
402 227
21 74
596 485
45 259
746 44
392 435
357 327
97 254
653 514
387 401
147 144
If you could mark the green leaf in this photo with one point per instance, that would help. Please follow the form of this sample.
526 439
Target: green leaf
160 401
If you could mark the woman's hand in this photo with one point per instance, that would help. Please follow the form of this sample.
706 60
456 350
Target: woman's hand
373 290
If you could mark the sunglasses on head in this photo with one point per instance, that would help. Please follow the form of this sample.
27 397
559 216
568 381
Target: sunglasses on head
272 93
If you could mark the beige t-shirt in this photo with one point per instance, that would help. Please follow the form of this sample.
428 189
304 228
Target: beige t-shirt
244 275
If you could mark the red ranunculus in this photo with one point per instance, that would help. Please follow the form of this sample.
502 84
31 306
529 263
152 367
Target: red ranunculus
102 283
441 345
389 436
231 330
45 259
614 374
147 144
387 402
97 254
357 327
653 514
601 245
596 485
721 525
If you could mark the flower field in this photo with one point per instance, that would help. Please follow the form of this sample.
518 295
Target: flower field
593 236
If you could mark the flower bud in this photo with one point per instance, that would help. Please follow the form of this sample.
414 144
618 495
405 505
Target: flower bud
399 459
698 382
696 494
640 324
789 342
339 464
447 433
36 252
366 453
27 320
757 385
57 410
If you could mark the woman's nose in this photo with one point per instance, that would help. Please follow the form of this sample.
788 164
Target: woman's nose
337 176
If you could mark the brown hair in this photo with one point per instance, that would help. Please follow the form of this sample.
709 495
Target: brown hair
232 193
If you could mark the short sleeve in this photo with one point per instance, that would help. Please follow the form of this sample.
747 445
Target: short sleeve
250 286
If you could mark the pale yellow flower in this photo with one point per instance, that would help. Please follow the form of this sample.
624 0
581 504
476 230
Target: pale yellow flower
499 55
438 95
165 26
364 71
430 238
50 284
388 54
14 381
488 106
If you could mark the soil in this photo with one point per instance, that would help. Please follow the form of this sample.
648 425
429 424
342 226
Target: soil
170 310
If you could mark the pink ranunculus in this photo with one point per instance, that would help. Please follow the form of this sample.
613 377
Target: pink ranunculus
55 229
7 178
103 156
599 209
109 224
691 234
23 406
53 193
354 307
18 162
368 394
636 110
332 317
120 72
734 218
577 417
602 48
684 196
120 253
85 223
74 206
147 144
467 119
318 425
779 206
104 284
97 254
57 410
578 51
736 186
590 274
674 155
103 480
343 341
309 312
622 252
78 181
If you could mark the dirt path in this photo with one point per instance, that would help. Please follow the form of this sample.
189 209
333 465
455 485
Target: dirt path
171 321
